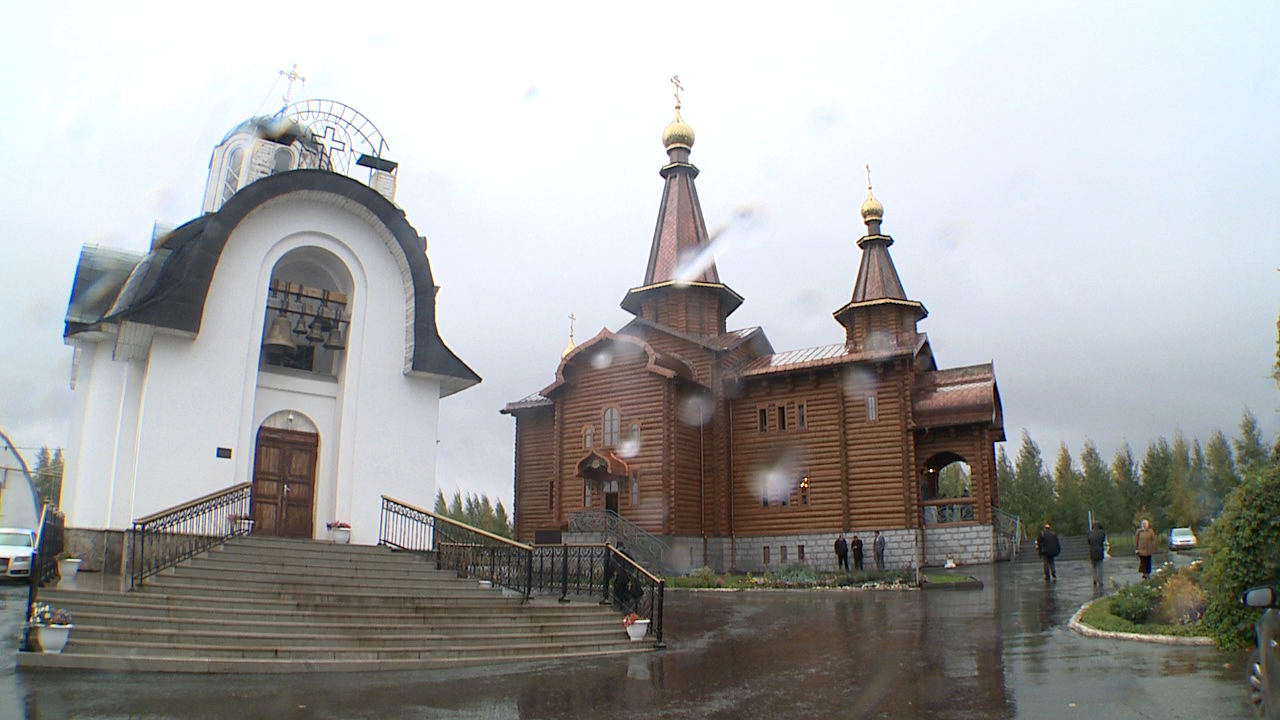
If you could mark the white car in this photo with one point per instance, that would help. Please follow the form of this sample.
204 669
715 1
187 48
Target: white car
16 548
1181 539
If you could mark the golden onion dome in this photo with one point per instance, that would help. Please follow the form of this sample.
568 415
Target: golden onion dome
871 208
678 133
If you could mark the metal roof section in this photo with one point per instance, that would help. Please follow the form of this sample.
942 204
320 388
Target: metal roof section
535 400
100 274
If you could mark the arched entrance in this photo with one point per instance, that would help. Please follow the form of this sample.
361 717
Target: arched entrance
603 471
284 477
946 490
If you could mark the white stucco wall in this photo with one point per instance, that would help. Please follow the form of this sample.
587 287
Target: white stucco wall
188 397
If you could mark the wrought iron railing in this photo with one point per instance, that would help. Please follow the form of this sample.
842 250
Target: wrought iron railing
162 540
639 543
570 571
589 571
49 544
1008 534
468 551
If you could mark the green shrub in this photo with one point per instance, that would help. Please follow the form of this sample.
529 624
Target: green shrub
795 574
1243 552
1135 602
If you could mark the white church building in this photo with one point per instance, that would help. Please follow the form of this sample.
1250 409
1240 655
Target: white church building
285 338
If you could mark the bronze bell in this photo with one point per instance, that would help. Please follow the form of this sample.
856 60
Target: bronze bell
279 338
301 327
335 341
315 334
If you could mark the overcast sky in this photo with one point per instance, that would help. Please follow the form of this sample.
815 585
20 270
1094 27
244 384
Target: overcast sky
1086 194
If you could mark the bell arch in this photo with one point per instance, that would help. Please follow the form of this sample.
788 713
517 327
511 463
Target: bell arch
308 312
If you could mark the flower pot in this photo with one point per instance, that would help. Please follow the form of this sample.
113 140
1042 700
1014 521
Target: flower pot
67 569
341 536
637 630
51 638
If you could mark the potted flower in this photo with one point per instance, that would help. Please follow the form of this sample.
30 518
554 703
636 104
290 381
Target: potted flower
241 524
49 627
339 532
636 626
68 566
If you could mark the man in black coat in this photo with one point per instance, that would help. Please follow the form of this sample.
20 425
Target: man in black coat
1048 547
857 553
842 553
1097 550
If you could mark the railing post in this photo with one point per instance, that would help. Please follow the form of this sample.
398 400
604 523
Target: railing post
658 613
564 573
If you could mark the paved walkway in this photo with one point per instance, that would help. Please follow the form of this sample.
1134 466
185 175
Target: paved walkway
1001 652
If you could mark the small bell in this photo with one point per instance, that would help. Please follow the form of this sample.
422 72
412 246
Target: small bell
335 341
315 333
301 327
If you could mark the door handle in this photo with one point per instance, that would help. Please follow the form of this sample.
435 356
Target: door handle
286 488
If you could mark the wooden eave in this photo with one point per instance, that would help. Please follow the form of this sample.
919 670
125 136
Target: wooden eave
921 312
604 458
661 364
718 343
631 303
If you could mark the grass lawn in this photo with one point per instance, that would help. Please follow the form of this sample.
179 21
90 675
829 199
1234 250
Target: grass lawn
943 579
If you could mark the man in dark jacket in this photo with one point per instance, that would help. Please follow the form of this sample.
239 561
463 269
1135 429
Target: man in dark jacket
1048 547
1097 551
842 553
857 553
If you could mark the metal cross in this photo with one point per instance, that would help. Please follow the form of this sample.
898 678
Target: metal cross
572 318
868 177
293 76
675 80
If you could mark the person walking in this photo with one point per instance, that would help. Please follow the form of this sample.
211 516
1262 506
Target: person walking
877 546
1144 546
842 553
1097 551
1048 546
857 553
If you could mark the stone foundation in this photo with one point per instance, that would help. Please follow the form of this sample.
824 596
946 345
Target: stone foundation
98 550
902 548
967 545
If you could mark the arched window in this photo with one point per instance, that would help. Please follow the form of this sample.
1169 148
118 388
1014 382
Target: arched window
610 427
283 161
231 179
308 313
586 438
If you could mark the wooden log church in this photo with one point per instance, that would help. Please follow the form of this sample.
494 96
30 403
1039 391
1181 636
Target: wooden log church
726 453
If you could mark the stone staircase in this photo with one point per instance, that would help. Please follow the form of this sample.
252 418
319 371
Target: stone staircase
1075 547
271 605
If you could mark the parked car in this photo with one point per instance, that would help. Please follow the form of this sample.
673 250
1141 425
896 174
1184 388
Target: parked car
16 548
1181 539
1264 661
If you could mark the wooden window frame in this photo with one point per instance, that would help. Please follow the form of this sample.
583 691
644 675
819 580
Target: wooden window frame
871 409
802 420
762 419
766 554
588 437
612 420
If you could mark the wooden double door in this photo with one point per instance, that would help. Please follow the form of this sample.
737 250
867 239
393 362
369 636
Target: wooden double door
284 479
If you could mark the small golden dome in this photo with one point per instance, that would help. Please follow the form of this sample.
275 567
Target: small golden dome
871 208
678 134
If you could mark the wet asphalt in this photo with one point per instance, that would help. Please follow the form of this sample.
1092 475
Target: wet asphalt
1004 651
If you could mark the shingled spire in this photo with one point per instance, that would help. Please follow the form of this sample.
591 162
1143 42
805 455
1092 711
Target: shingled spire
878 316
682 287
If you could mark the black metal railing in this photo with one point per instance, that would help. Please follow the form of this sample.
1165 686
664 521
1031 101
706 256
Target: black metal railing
468 551
641 544
600 571
49 544
1008 533
162 540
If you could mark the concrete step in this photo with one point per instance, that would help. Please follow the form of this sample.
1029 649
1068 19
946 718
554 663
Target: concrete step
423 651
252 579
118 663
346 637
